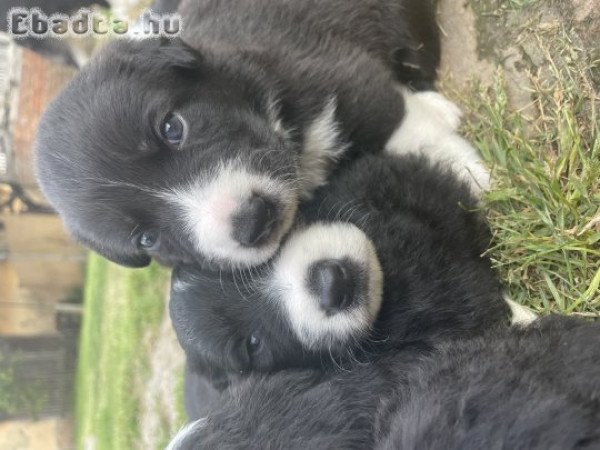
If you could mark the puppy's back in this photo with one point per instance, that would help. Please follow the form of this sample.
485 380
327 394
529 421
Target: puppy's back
402 34
531 388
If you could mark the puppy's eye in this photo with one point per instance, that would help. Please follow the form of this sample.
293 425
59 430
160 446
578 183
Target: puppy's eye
148 239
172 130
254 344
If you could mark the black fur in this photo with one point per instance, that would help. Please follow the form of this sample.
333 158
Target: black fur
165 6
531 388
301 408
436 283
100 160
199 395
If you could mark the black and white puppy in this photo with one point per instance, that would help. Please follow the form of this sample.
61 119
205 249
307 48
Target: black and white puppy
201 152
536 387
385 227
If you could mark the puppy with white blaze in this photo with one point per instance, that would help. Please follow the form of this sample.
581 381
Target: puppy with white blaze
533 387
199 150
385 227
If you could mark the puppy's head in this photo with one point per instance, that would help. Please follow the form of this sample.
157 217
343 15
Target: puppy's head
226 326
314 304
155 150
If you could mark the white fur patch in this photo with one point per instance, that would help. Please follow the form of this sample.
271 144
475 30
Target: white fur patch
322 148
180 286
185 432
521 315
273 113
208 204
288 286
429 127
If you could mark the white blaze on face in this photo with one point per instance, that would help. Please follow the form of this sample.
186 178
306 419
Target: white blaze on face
207 206
322 148
430 127
289 287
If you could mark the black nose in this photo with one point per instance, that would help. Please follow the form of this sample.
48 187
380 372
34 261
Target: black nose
254 221
333 281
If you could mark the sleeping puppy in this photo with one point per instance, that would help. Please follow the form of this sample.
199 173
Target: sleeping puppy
200 153
386 227
536 387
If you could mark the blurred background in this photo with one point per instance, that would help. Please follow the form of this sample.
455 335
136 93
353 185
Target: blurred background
64 385
88 359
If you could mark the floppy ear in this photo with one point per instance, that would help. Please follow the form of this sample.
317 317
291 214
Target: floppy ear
199 393
215 377
124 258
175 54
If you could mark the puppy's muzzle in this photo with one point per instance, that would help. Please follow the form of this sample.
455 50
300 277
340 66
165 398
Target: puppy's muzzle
334 282
254 222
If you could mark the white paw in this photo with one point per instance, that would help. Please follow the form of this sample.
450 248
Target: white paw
429 127
464 160
444 110
428 117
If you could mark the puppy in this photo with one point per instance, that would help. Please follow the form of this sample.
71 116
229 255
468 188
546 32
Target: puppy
200 153
536 387
386 227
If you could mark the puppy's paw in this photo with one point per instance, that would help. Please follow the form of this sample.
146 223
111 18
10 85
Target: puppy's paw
444 111
429 128
428 118
464 160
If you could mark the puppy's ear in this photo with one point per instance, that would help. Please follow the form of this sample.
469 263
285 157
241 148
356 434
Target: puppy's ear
124 258
216 377
133 261
199 393
175 54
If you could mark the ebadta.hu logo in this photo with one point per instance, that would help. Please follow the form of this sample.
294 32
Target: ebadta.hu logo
32 22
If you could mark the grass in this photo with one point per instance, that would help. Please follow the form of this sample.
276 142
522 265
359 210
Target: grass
544 208
121 307
516 5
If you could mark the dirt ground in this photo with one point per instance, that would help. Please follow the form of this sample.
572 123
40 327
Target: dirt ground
479 37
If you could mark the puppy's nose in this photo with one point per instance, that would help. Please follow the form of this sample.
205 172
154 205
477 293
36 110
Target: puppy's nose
254 221
333 281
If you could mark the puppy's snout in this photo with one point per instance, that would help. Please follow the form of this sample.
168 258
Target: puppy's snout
334 282
254 221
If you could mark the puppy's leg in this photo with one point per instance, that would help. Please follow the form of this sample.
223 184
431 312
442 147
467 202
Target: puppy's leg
430 127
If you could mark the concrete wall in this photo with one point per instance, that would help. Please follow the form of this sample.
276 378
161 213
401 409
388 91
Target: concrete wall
48 434
43 268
